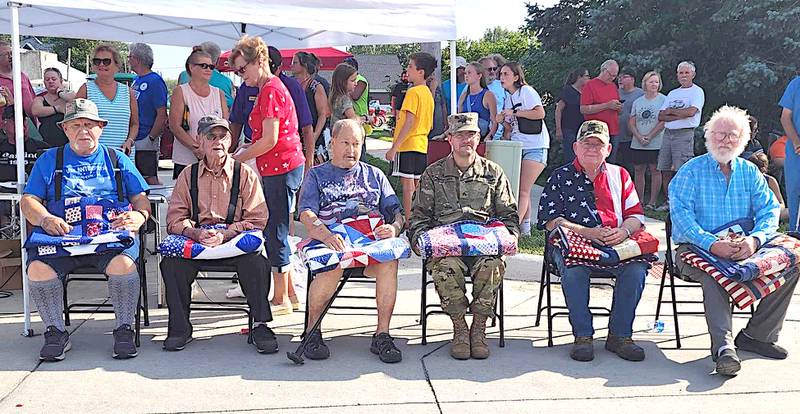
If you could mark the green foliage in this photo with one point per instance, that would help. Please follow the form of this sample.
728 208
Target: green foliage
402 51
512 44
81 48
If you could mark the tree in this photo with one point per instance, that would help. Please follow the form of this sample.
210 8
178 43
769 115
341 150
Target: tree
512 44
402 51
81 48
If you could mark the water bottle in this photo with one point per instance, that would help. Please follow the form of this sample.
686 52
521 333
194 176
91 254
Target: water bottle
658 326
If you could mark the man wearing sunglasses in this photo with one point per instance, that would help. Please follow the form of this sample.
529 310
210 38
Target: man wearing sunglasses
492 66
7 82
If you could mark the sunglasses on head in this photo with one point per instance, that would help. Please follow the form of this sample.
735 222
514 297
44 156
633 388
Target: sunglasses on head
207 66
101 62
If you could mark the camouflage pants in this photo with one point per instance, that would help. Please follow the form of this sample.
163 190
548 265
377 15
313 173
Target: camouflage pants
449 276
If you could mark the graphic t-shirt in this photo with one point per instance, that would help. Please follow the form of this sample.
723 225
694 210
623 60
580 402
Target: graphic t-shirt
274 101
682 98
151 94
645 111
418 101
8 157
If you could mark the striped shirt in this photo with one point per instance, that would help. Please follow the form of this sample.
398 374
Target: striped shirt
117 112
702 200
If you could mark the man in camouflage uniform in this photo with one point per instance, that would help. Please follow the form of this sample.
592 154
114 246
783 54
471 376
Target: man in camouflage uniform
464 186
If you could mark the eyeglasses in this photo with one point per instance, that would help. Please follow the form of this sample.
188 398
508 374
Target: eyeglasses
595 146
206 66
217 137
101 62
492 68
719 135
241 70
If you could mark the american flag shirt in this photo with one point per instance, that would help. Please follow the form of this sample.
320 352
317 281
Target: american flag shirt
607 201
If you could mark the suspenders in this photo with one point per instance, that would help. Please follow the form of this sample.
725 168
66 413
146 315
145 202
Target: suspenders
193 192
59 172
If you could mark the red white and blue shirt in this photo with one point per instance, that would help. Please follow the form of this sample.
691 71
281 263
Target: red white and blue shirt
607 201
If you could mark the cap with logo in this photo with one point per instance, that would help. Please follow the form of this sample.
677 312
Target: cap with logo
81 109
209 122
466 121
597 129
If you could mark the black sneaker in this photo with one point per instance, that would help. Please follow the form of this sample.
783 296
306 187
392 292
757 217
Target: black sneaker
728 363
56 344
765 349
265 340
124 345
383 347
315 346
176 343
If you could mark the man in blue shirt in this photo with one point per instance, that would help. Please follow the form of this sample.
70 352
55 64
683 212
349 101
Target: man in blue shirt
217 79
87 172
790 120
707 193
151 98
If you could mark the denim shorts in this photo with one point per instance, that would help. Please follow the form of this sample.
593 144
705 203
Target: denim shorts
280 192
536 154
67 264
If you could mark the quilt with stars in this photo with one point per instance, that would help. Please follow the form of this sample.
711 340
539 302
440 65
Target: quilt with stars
175 245
468 238
577 250
91 233
361 247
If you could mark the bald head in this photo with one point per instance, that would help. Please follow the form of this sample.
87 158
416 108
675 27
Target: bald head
346 142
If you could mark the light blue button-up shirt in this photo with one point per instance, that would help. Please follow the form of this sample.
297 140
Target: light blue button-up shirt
701 200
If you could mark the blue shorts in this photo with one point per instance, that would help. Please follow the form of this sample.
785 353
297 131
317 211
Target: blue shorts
280 192
537 154
67 264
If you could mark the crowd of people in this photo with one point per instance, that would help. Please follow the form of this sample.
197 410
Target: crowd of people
280 145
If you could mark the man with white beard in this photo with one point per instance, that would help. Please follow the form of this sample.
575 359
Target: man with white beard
707 193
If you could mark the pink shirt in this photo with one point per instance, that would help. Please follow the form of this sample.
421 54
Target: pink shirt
27 91
274 101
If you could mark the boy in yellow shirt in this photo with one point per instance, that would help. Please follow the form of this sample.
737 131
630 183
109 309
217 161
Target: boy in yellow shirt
409 152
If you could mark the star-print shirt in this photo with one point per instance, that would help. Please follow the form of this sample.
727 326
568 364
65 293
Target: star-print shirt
569 193
274 101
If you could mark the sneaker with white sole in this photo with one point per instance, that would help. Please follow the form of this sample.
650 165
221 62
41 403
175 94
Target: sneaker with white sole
285 308
56 345
525 228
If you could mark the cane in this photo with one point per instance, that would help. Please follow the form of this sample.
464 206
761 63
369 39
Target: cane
297 355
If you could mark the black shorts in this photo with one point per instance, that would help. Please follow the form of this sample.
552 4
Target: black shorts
146 163
410 164
644 157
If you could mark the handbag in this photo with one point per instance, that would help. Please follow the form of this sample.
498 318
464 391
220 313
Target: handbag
525 125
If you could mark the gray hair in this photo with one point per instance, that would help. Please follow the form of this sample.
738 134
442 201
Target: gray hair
212 49
350 124
688 64
142 52
607 64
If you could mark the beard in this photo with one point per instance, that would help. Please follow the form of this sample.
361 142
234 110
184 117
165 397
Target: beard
724 155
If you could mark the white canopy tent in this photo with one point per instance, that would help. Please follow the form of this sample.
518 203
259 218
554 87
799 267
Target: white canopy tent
281 23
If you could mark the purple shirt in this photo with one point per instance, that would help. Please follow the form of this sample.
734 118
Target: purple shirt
242 106
300 102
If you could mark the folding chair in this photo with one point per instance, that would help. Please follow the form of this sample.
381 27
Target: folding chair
672 270
550 271
233 306
427 309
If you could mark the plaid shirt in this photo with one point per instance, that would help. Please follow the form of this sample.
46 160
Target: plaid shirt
701 200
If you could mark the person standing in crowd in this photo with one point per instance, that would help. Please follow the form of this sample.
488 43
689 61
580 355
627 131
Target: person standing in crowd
399 93
568 111
461 83
151 98
8 155
600 99
647 133
304 66
790 120
359 95
479 99
343 82
409 150
628 93
217 80
49 108
7 81
523 115
115 100
440 110
493 83
681 115
279 158
754 145
190 102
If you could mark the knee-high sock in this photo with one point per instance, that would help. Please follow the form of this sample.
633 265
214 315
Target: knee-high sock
49 298
124 291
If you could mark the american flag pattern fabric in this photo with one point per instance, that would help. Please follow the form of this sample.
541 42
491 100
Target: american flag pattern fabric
90 218
361 247
175 245
577 250
468 238
778 254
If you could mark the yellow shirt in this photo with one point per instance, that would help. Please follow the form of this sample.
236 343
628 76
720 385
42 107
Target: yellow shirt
419 102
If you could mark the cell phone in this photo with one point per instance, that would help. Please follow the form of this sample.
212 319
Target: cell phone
621 101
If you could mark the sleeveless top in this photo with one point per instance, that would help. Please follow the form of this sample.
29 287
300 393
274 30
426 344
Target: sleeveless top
474 103
311 91
197 107
117 112
49 129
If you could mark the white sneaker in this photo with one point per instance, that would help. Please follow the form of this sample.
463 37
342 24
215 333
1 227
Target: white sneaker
284 308
235 292
525 228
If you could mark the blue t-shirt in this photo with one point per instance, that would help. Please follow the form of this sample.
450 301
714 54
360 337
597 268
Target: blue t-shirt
791 100
446 92
334 193
242 106
151 94
300 102
88 176
217 80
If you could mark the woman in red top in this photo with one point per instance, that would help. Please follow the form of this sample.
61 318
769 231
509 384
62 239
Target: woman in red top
279 159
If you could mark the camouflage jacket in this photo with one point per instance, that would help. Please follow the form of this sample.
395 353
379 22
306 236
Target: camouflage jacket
446 195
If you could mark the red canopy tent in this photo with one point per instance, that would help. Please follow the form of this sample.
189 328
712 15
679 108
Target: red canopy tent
329 57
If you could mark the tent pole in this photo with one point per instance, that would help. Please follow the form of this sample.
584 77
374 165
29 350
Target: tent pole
17 72
453 96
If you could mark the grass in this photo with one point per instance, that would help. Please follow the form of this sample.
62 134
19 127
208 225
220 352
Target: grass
384 166
381 134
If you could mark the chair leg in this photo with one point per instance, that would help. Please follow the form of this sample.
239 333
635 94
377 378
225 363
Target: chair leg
309 279
661 291
674 309
138 323
423 314
66 301
250 326
541 294
501 315
143 284
549 313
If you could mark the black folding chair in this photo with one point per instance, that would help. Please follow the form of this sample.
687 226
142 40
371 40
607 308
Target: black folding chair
427 309
232 306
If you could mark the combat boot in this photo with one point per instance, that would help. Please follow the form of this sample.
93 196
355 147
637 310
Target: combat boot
477 337
459 346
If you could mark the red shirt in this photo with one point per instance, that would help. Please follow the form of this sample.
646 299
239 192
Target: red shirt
27 91
615 195
274 101
598 92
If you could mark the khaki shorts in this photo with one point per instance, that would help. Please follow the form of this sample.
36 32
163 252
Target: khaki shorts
677 148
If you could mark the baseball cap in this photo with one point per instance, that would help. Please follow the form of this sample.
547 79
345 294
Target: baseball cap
460 62
466 121
81 108
597 129
275 59
209 122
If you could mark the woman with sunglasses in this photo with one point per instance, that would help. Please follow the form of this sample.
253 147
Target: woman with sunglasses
523 119
190 102
478 98
304 66
279 158
49 108
115 101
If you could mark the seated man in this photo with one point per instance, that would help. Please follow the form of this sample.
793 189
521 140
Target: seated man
87 171
709 192
598 201
344 188
8 154
464 186
216 175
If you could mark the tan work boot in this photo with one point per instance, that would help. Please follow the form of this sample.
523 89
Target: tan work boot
459 346
477 337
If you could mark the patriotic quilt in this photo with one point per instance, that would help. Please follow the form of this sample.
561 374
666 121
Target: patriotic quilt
467 238
361 247
175 245
90 218
577 250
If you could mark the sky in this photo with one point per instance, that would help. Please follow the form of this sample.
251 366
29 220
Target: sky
473 17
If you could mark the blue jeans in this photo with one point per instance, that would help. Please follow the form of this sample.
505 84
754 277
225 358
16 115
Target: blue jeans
627 292
280 191
566 144
791 175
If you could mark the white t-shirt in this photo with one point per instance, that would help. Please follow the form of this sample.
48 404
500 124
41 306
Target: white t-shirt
529 99
681 98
